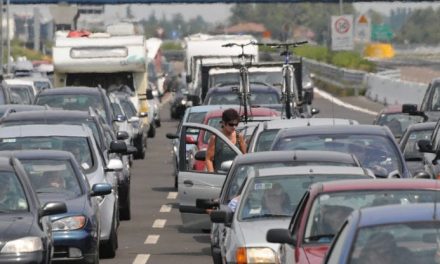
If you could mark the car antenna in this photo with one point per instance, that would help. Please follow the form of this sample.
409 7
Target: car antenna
333 110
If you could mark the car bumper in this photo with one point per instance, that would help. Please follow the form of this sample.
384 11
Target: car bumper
77 246
26 258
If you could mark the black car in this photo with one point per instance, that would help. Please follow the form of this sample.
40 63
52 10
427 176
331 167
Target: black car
374 146
408 145
103 136
181 100
55 175
79 98
25 229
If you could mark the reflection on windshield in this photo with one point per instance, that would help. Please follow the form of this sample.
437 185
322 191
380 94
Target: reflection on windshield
374 152
12 196
330 210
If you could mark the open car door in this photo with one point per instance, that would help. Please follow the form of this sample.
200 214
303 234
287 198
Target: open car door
197 184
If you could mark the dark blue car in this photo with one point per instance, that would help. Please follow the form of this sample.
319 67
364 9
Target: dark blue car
389 234
56 176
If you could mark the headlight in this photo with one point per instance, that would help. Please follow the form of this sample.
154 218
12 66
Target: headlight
307 85
183 101
23 245
69 223
255 255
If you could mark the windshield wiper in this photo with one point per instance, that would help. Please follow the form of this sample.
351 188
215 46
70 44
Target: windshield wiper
266 215
318 237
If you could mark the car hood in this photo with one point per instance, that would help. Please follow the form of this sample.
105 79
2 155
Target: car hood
254 232
13 226
74 205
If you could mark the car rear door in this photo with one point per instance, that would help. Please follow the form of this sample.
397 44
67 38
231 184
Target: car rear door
194 184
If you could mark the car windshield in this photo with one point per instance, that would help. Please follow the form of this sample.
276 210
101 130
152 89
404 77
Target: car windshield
23 92
41 85
398 122
265 140
377 153
196 117
80 102
78 146
411 150
272 78
213 122
256 98
278 196
52 176
412 242
12 196
329 210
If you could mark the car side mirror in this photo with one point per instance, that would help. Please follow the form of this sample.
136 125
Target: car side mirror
315 111
222 216
409 108
200 155
225 166
280 235
131 150
422 175
133 119
425 146
114 165
53 208
100 189
206 203
118 146
122 135
143 114
120 118
172 136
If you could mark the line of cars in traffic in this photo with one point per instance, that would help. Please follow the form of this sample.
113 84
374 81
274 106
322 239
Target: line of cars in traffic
305 183
65 173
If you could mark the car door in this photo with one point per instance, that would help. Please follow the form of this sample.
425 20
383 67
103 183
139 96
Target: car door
194 184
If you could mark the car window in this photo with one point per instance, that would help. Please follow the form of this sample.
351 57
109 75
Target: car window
435 99
329 210
413 242
12 195
41 85
128 108
377 153
78 146
337 248
265 140
411 150
23 92
49 176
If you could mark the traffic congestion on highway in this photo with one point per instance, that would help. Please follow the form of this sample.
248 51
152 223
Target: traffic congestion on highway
115 154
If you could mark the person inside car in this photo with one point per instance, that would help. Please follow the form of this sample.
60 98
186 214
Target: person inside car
276 201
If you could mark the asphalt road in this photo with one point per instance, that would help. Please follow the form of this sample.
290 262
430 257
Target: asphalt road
154 235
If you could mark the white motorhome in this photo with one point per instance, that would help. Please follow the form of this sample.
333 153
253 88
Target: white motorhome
200 48
103 59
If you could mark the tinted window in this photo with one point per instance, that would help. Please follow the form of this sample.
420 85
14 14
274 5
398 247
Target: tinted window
48 176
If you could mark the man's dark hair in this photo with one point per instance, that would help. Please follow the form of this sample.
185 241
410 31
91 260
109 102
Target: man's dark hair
230 115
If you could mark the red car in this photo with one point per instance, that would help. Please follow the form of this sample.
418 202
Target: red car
325 206
213 118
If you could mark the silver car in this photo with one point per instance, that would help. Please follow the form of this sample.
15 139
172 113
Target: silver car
80 141
268 200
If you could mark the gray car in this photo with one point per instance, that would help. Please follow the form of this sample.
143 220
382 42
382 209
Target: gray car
268 200
80 142
247 164
265 132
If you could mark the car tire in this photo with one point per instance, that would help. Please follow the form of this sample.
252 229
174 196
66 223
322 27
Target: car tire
157 122
108 248
216 255
139 144
152 131
125 213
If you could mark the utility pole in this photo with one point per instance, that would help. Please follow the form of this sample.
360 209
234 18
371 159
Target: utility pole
8 65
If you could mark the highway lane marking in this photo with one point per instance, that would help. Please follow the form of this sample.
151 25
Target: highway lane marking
166 208
336 101
141 258
172 195
152 239
159 223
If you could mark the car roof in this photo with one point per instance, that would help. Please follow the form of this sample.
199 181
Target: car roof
254 111
44 130
382 184
38 153
394 214
47 114
422 126
297 155
71 90
302 122
22 107
5 164
207 108
19 82
312 170
332 130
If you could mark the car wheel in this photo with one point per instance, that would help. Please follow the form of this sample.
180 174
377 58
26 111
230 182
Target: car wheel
108 248
157 122
125 213
140 146
152 131
216 255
